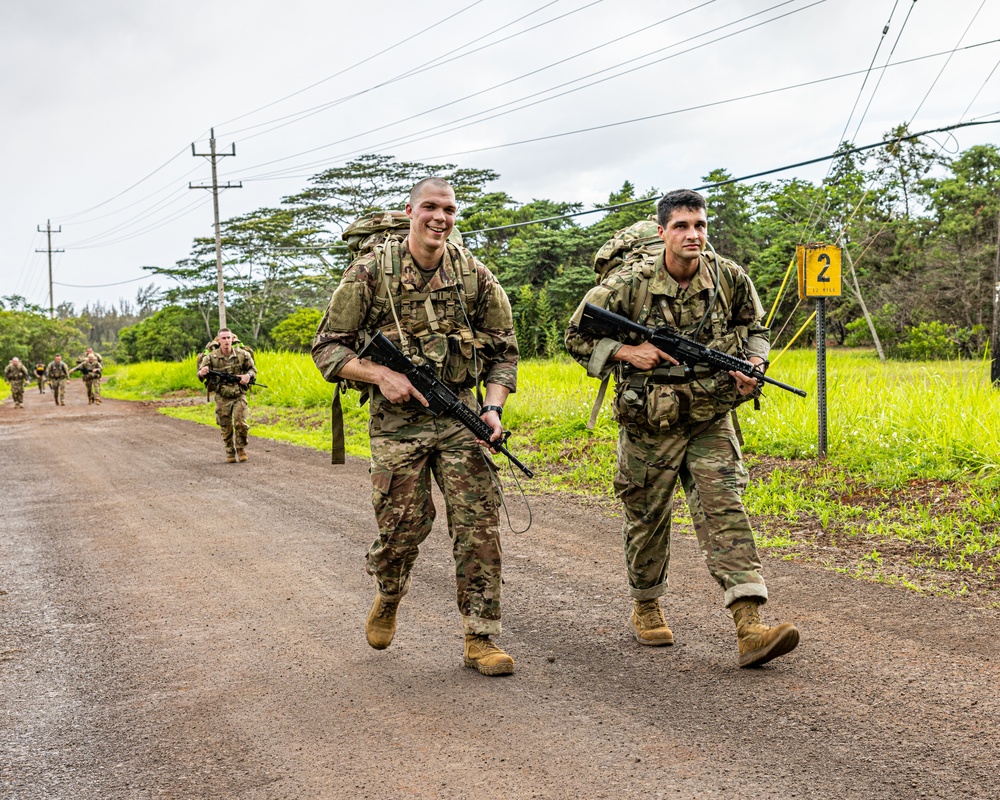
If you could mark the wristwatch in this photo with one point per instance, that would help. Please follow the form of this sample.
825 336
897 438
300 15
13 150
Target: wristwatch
498 409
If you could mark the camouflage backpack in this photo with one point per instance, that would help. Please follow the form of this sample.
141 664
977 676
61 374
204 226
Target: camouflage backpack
638 246
381 233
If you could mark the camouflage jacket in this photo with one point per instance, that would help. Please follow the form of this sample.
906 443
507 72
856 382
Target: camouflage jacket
239 362
57 372
13 373
432 320
735 326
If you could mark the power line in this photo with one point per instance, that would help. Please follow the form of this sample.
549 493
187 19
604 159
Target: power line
429 132
820 159
444 19
100 285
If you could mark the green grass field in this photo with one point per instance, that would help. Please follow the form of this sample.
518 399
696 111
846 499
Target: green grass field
908 493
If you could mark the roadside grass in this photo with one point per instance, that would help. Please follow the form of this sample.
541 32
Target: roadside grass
909 494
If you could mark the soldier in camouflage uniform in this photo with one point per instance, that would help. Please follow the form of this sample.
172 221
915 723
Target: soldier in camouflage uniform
57 373
230 398
15 373
433 321
674 422
90 369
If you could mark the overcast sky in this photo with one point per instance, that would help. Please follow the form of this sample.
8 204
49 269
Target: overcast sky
103 99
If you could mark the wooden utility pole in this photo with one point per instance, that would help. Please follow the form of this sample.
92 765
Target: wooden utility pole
214 157
48 231
995 337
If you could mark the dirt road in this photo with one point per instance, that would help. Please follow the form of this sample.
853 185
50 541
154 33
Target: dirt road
172 626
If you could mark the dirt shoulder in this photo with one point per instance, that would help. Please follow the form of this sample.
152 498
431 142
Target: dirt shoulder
172 626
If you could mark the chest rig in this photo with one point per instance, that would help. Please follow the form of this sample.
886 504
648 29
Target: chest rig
428 314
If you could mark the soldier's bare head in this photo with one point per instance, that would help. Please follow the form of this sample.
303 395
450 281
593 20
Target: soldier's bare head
687 199
15 360
58 357
427 184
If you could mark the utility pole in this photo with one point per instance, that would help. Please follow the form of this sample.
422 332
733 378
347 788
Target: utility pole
48 230
214 157
995 337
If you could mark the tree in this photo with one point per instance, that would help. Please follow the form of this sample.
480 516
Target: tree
32 336
297 331
171 334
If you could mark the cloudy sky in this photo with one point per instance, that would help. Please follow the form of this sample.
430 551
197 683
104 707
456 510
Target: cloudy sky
566 99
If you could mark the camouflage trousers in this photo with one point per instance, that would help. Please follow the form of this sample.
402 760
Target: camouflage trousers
706 457
93 389
401 468
41 385
231 417
17 392
58 386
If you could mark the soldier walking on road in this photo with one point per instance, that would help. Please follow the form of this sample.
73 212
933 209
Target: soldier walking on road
674 423
40 377
90 369
230 398
57 373
15 373
437 303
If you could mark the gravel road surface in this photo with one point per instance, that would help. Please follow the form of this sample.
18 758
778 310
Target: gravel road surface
173 626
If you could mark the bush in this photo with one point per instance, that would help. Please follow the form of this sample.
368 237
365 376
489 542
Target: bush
171 334
297 331
934 341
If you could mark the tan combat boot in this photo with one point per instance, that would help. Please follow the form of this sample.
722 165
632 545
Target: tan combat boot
230 458
380 626
759 643
482 654
241 454
647 624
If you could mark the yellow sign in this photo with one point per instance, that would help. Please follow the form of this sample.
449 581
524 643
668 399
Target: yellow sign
819 269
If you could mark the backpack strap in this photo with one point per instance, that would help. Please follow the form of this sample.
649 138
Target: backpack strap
643 270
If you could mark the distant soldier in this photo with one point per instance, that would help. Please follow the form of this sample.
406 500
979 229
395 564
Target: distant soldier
40 377
87 354
230 398
91 372
57 373
15 373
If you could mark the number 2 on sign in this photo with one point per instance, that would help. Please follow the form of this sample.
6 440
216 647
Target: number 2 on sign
824 259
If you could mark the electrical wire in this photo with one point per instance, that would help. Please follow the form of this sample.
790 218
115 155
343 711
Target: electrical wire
430 132
447 18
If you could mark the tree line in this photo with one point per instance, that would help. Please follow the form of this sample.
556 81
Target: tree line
919 228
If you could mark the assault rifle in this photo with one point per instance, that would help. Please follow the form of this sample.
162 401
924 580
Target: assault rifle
597 321
228 377
440 398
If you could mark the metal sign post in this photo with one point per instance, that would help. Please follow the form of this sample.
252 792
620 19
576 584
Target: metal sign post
820 273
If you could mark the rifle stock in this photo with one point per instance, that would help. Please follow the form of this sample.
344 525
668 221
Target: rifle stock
597 321
440 399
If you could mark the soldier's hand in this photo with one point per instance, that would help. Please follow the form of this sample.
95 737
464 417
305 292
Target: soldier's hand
492 419
203 372
397 388
644 356
244 379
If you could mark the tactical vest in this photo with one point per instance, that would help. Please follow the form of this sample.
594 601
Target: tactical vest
637 248
432 328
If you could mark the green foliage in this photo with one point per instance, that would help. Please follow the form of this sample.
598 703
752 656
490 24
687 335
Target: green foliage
32 336
937 341
297 331
171 334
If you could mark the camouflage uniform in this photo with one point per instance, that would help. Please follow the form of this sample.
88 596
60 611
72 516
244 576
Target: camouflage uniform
40 377
675 423
57 375
91 372
16 375
409 445
230 399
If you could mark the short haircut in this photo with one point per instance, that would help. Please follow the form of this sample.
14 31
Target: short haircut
433 183
223 330
679 198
